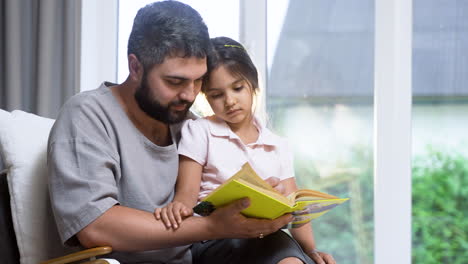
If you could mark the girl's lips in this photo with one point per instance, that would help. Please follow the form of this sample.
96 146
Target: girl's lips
233 112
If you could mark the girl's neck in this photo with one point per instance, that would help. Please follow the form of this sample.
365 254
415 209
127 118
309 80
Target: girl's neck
247 131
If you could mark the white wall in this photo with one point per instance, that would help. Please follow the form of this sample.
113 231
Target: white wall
98 43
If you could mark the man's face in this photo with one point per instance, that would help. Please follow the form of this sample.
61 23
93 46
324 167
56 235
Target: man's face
167 90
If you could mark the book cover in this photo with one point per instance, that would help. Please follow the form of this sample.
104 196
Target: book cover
267 202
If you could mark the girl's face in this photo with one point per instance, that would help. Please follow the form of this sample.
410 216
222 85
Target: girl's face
229 96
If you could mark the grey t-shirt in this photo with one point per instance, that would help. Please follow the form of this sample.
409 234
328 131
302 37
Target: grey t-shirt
97 158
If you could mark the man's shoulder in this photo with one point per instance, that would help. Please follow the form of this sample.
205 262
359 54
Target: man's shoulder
83 112
89 97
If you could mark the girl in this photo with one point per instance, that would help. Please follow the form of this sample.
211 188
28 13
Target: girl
212 149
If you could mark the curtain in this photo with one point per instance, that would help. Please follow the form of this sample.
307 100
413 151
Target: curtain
39 54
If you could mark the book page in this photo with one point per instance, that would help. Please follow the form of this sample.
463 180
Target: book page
309 195
268 191
249 177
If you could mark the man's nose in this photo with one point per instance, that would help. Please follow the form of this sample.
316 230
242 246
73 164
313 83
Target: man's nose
189 93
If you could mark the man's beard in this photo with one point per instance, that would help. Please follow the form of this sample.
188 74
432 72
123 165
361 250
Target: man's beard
152 107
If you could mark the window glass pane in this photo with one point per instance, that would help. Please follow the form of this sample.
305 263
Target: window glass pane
440 131
320 96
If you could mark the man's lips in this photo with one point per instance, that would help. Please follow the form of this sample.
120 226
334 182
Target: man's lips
179 107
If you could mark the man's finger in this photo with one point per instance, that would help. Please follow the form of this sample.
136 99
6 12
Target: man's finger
239 205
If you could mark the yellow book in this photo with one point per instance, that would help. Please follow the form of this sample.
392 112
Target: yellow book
266 201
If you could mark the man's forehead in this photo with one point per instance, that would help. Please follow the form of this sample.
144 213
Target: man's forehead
183 66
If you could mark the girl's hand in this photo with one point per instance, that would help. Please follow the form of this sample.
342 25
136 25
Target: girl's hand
172 214
321 257
277 184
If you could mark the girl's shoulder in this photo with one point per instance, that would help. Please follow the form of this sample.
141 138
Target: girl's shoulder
202 123
271 138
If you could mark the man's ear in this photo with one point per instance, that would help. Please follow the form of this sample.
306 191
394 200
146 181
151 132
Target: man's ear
135 68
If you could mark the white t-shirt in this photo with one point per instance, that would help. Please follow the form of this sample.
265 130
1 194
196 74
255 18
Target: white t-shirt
211 143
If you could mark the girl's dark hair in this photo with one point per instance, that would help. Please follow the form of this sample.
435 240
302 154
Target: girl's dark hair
232 55
168 28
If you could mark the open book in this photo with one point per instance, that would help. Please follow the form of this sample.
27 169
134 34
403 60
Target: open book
265 201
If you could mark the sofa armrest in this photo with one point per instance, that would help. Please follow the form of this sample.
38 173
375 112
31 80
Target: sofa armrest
81 255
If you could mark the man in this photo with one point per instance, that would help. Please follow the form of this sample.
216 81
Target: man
112 153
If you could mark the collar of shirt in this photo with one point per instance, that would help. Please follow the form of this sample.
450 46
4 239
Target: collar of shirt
219 128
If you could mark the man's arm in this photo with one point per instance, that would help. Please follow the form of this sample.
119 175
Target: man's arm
127 229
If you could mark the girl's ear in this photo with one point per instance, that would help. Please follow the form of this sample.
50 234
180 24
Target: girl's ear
135 68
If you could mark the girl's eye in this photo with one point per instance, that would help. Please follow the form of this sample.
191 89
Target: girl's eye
237 89
217 95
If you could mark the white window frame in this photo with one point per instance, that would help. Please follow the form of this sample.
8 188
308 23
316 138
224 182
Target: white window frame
392 131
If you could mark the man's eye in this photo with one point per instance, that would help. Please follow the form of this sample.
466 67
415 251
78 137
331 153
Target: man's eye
174 82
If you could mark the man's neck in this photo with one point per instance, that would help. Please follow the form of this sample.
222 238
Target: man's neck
155 130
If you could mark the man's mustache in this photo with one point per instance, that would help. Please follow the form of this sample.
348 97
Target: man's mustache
181 102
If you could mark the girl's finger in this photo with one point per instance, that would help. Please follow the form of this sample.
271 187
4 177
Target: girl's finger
165 218
157 213
170 215
317 258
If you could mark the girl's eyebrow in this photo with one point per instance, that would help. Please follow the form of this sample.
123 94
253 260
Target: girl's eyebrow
233 83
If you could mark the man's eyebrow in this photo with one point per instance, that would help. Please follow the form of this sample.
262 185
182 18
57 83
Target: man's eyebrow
181 78
176 77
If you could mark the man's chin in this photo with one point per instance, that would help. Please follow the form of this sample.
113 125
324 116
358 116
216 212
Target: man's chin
178 116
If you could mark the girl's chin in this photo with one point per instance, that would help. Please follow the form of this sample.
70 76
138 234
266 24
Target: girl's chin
235 120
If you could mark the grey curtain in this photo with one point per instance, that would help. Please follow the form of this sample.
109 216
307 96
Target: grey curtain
39 54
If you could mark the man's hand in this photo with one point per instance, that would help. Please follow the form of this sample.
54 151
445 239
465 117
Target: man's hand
321 257
228 222
276 183
172 214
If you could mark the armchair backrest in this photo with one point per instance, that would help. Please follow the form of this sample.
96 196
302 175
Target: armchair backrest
23 146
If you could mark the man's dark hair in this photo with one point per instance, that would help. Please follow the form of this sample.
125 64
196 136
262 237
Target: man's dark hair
168 28
232 55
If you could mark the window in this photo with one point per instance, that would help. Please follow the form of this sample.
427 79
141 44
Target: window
320 96
440 138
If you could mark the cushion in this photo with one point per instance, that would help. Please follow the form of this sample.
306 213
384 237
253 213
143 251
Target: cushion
23 146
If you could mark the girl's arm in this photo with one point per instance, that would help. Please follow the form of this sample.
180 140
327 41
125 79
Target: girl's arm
304 235
186 194
188 181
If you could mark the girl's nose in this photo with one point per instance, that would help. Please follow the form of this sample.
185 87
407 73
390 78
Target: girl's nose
230 101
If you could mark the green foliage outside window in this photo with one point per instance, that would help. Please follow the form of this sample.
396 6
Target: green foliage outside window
440 208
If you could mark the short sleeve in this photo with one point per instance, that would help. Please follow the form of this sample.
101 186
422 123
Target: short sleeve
82 166
194 140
